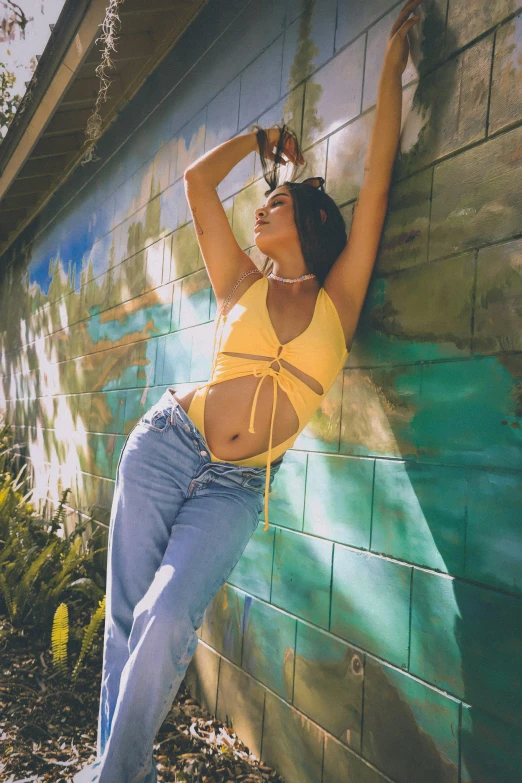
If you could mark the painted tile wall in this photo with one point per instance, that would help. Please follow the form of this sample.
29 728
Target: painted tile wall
375 633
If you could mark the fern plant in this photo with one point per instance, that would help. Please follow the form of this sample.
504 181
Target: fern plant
38 567
59 639
88 637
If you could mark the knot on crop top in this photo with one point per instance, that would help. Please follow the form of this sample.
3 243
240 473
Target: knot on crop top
320 352
267 371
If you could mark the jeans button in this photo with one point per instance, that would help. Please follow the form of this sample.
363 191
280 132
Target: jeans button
203 453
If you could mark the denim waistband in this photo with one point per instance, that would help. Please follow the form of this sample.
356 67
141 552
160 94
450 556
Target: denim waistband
218 467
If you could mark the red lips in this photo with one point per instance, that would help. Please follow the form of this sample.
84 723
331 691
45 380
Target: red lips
259 223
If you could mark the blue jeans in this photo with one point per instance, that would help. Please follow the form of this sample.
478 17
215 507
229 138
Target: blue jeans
179 524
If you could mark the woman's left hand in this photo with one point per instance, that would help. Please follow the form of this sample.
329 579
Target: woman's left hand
398 47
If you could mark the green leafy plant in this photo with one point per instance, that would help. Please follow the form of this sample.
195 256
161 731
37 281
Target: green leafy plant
60 637
8 102
40 565
89 636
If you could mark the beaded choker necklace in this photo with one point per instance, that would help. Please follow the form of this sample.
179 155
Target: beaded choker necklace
290 279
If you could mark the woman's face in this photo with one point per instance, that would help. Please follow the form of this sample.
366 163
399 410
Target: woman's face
279 231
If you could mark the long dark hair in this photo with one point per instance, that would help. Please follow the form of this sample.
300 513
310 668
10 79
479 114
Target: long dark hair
321 243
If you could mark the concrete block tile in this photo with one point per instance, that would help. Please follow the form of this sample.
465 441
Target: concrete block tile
222 625
418 314
328 684
449 109
354 18
466 639
498 315
493 537
302 576
339 499
359 615
380 410
240 705
340 763
160 170
195 299
201 352
185 255
287 495
222 115
506 80
490 748
253 572
347 148
405 234
107 413
477 196
201 677
154 264
322 432
173 207
176 306
292 744
458 394
378 35
261 82
124 201
410 729
466 23
239 177
191 142
268 646
172 147
308 42
419 514
333 94
178 349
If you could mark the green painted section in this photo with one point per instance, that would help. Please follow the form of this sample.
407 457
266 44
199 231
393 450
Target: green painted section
479 662
301 576
371 603
268 645
339 499
410 728
491 748
328 683
419 514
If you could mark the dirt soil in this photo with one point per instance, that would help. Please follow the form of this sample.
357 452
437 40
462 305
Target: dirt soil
48 728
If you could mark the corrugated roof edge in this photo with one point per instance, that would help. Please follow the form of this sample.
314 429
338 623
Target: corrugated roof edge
58 44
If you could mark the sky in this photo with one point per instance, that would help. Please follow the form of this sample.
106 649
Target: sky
17 53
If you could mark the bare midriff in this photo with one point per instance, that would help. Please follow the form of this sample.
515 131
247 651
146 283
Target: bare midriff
229 403
227 416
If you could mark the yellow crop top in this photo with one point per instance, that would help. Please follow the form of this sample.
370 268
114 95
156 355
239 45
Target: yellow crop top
320 351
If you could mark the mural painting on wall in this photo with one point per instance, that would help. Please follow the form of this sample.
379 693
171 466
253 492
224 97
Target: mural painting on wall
92 319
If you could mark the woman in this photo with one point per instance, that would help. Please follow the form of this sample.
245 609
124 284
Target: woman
181 515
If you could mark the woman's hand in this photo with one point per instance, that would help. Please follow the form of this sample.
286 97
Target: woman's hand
398 47
288 150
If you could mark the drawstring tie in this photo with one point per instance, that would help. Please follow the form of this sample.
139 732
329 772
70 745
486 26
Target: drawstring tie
261 371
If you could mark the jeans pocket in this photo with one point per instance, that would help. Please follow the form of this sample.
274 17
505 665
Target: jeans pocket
156 419
255 478
255 481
